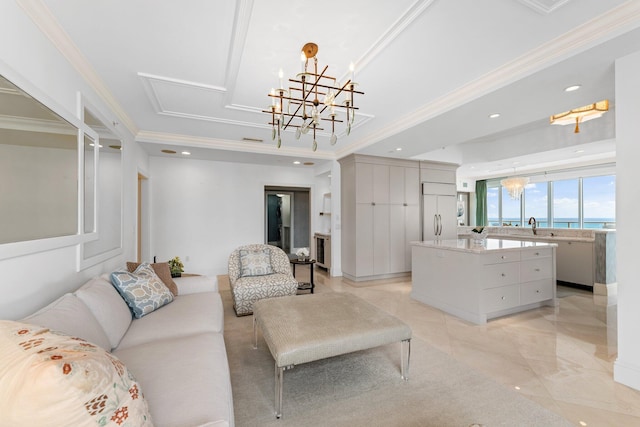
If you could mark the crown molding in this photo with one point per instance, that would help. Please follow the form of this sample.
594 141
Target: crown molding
598 30
222 144
47 23
410 15
544 7
244 8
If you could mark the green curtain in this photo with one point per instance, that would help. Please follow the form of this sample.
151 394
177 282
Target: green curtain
481 203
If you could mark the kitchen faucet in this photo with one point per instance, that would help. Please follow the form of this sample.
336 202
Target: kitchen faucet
532 223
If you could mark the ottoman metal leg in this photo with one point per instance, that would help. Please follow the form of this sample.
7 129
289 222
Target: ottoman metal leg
255 332
405 353
279 377
279 381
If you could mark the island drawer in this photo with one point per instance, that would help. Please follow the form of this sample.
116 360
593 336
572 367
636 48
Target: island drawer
535 253
500 298
496 275
500 257
535 269
537 291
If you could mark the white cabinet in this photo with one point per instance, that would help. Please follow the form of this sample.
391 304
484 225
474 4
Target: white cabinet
440 220
380 216
404 215
576 262
439 204
479 284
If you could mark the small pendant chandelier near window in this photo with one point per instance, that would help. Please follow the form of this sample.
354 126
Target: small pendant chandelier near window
300 105
579 115
515 185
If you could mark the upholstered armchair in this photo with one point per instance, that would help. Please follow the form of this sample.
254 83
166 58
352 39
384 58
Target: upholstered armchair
256 272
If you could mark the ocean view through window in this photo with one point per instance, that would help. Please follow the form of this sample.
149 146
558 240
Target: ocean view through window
587 202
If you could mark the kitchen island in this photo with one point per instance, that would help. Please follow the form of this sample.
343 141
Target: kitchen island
480 281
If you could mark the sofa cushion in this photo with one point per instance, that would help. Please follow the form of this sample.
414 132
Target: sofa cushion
186 315
142 290
162 270
255 262
195 284
71 316
107 306
185 379
53 379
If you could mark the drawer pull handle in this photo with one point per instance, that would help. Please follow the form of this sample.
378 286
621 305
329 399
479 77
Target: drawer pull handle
537 291
503 275
503 298
503 257
537 269
537 253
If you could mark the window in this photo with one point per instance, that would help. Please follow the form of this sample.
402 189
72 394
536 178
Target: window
510 210
493 205
566 212
599 201
536 197
587 202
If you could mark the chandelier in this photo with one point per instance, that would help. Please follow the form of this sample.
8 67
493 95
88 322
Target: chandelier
582 114
310 100
515 185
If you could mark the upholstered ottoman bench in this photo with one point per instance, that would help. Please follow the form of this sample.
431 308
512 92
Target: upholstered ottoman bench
305 328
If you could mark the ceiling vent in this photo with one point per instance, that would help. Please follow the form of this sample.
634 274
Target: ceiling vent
252 139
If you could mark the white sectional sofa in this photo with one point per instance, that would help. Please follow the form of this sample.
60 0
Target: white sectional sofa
176 353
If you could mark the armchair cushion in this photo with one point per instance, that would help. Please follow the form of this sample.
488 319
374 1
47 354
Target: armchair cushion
255 262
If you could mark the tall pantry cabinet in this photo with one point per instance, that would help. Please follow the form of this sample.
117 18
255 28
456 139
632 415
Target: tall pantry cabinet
380 215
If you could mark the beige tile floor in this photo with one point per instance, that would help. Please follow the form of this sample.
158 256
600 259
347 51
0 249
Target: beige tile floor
560 357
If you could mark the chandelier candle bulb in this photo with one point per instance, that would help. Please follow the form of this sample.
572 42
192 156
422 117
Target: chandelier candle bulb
280 76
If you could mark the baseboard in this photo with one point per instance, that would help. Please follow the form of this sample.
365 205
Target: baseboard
606 289
627 374
575 285
377 277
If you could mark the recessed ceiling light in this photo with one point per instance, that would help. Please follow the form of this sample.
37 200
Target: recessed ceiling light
185 153
579 151
494 115
168 151
296 162
399 149
572 88
93 145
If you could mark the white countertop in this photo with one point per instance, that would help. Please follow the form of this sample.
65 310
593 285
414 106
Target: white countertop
489 245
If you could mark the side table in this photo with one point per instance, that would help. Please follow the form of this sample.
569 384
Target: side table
304 286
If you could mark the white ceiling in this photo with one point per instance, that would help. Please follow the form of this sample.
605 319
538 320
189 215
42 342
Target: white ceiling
197 73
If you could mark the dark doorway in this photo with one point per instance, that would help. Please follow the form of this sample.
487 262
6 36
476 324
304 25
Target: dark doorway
287 217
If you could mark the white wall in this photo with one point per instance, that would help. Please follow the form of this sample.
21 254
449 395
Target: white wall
202 210
28 59
627 365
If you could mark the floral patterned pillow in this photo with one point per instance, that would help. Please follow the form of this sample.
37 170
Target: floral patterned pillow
49 378
256 262
143 290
